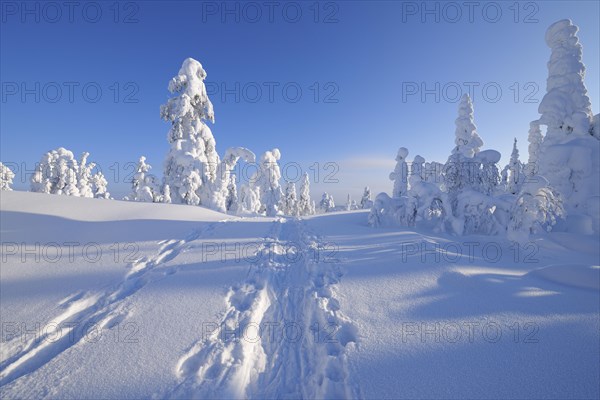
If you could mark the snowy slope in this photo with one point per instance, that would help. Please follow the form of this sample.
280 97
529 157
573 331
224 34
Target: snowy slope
344 310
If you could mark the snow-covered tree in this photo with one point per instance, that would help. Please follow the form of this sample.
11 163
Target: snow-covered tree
266 182
84 182
143 184
249 201
190 165
461 170
56 173
349 203
537 209
221 186
231 202
305 205
400 174
166 194
466 139
6 177
99 186
513 174
327 204
569 153
565 108
290 200
366 202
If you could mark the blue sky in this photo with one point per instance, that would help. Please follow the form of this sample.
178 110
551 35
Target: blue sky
353 62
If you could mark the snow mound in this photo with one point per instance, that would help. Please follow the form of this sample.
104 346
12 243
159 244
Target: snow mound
577 275
88 209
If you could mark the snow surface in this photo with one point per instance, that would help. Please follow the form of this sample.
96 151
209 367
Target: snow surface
384 313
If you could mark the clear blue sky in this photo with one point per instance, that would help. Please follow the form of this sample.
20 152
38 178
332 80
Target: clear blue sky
361 58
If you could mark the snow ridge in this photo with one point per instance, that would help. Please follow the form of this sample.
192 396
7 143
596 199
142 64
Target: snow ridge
87 311
283 335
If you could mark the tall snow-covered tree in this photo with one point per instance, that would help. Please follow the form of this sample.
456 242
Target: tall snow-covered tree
535 140
400 174
190 165
290 200
231 201
266 182
305 204
6 177
366 202
569 152
84 182
461 170
514 173
466 139
565 108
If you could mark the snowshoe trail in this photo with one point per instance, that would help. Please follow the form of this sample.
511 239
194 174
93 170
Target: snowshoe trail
282 335
85 312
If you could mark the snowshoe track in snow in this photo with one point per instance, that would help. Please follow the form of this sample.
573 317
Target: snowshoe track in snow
282 335
86 311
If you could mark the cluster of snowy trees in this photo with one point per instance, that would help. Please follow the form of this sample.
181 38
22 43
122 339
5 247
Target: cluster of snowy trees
469 195
59 172
194 173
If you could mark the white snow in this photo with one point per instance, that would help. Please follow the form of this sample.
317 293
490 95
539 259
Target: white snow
378 309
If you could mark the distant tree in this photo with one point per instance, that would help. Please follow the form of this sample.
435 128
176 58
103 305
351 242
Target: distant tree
400 174
99 186
327 204
6 177
290 200
305 205
366 202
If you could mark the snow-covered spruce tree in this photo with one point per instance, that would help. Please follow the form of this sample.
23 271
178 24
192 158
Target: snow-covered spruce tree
84 182
165 194
6 177
366 202
466 139
190 165
460 172
220 186
266 182
400 174
513 174
535 140
569 155
349 203
305 205
56 173
231 201
565 108
143 184
536 209
290 200
99 186
249 201
326 204
470 179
